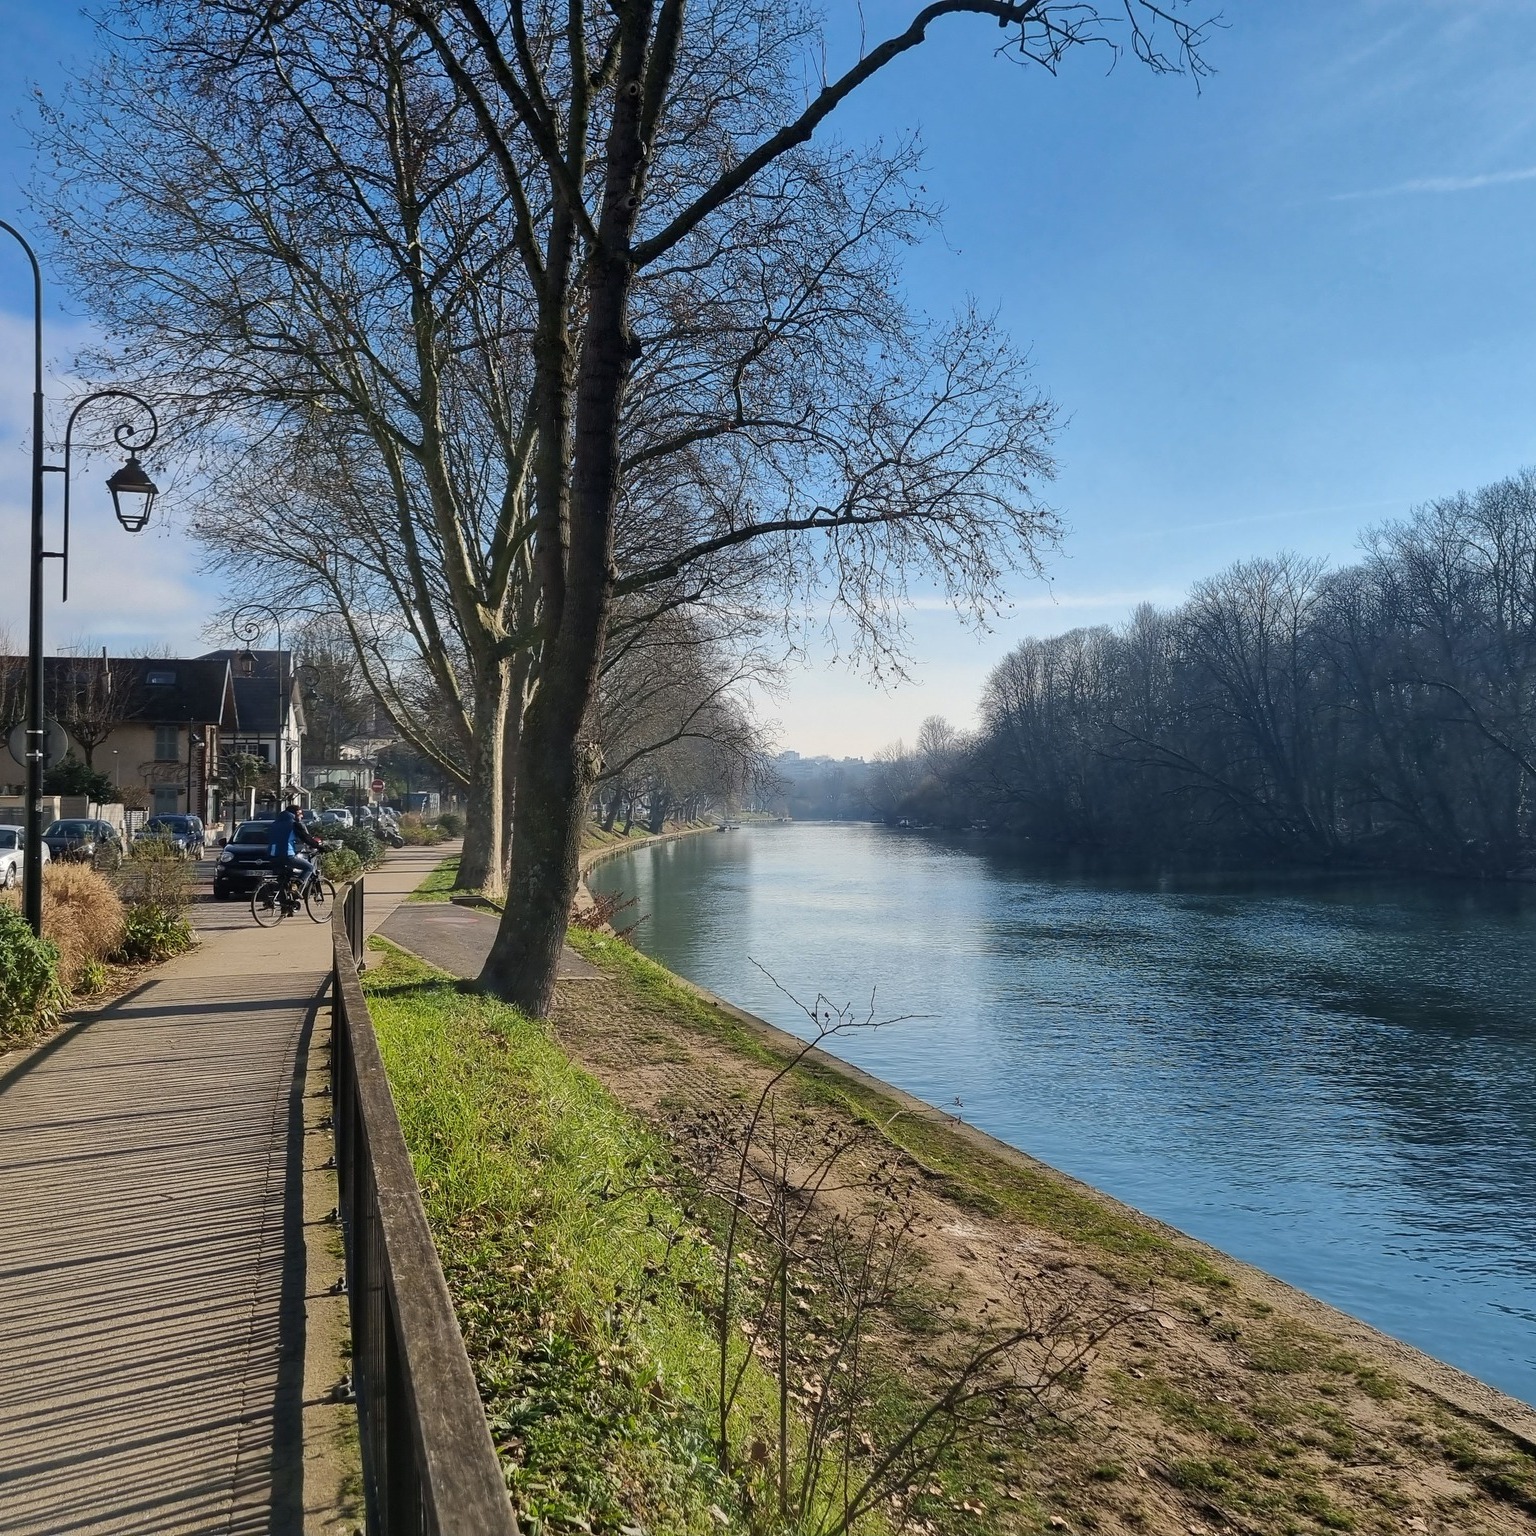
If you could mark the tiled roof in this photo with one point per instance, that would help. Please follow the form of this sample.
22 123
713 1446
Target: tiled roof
257 695
152 689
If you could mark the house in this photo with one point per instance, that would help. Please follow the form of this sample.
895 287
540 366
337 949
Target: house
270 709
163 728
155 726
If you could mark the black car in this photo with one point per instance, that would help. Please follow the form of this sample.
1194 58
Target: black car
81 839
243 862
184 833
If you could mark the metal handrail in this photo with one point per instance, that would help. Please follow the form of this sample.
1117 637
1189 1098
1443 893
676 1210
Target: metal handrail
429 1468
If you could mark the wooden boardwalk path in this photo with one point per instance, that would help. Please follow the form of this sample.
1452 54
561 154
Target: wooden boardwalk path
152 1264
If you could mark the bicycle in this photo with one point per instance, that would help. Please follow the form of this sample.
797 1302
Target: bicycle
272 901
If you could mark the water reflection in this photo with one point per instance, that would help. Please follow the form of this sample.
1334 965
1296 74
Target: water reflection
1334 1081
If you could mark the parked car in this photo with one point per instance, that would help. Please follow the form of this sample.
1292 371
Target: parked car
337 816
81 839
13 855
184 832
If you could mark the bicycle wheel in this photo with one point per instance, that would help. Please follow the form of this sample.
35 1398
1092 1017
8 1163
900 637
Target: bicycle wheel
320 899
267 905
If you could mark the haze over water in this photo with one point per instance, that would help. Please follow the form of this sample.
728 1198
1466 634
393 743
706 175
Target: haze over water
1333 1081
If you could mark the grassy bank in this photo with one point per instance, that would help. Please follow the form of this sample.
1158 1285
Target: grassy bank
575 1275
439 885
1213 1406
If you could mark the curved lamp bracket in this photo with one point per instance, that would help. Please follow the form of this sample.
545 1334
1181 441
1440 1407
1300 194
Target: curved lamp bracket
133 492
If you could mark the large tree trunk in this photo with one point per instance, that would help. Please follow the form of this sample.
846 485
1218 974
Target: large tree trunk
554 780
556 771
482 863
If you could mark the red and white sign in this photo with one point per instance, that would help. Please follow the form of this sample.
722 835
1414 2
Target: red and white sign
378 786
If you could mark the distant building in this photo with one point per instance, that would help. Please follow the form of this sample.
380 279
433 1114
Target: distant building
271 723
155 726
162 728
818 788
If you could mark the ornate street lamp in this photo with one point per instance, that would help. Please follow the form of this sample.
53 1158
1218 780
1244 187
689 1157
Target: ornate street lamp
129 482
133 494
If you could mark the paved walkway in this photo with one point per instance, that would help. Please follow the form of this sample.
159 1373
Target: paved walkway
151 1242
457 939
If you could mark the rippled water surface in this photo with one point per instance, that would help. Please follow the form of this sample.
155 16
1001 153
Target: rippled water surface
1336 1082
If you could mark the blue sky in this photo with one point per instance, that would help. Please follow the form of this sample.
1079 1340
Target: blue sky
1273 311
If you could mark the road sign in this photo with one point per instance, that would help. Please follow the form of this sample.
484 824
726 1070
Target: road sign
55 743
377 786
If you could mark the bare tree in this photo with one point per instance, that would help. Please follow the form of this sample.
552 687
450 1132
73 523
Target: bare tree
310 256
89 698
680 131
337 703
684 326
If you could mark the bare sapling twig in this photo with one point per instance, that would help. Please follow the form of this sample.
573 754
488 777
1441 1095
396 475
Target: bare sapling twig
821 1265
607 905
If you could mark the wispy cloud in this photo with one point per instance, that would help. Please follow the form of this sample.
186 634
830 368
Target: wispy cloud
1126 598
1440 184
1292 514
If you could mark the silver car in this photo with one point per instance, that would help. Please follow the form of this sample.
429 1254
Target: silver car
13 855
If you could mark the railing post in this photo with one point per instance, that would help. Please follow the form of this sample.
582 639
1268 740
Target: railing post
354 913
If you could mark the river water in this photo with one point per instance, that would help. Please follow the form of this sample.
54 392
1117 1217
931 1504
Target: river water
1333 1081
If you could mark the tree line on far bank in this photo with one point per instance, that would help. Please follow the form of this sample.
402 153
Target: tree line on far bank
1383 714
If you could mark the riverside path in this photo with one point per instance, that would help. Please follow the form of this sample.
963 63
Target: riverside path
152 1265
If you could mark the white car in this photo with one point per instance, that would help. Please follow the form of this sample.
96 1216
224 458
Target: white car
13 855
339 816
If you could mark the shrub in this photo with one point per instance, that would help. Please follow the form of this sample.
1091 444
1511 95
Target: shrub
340 865
94 975
362 844
31 994
415 833
451 824
151 933
154 873
72 777
82 915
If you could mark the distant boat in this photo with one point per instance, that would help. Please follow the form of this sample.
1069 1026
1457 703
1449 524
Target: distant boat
729 826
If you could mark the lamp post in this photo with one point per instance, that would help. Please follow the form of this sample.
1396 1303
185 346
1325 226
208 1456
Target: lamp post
133 497
247 624
193 740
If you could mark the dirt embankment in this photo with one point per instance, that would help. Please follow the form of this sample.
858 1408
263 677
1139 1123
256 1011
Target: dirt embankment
1226 1402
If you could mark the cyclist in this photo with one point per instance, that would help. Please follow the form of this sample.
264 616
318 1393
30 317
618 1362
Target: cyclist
288 864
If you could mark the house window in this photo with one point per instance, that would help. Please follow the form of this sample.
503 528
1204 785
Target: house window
160 679
167 743
165 800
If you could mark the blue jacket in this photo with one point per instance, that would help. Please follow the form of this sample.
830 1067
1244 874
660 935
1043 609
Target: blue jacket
287 832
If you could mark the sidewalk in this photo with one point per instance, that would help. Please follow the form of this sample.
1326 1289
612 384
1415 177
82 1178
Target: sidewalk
151 1241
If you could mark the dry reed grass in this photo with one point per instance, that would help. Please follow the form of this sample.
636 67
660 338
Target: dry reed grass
82 914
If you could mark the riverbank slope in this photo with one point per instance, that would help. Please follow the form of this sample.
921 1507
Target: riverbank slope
1227 1401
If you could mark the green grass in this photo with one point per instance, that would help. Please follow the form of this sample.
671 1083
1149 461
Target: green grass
964 1172
589 1340
593 836
439 885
